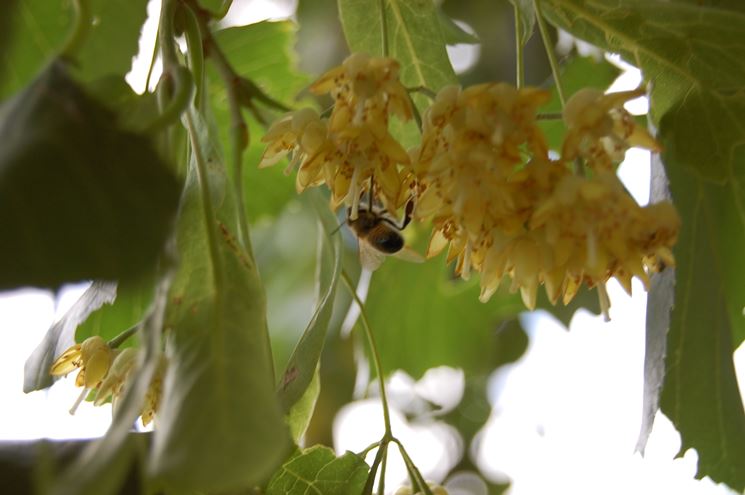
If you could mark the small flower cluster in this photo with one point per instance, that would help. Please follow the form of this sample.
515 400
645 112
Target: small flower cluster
108 370
353 145
483 175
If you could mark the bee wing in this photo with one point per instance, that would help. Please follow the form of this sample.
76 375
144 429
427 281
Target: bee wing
370 258
408 254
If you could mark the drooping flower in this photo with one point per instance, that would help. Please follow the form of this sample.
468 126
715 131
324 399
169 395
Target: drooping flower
353 146
597 231
121 373
93 357
600 130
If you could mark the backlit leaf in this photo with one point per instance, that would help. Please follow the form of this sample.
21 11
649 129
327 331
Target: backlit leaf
40 28
414 38
318 470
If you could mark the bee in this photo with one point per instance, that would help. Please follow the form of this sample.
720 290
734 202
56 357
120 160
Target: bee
379 235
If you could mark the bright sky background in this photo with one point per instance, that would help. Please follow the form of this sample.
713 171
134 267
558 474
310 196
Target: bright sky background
565 417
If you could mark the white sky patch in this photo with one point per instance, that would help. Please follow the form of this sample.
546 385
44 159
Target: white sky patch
464 56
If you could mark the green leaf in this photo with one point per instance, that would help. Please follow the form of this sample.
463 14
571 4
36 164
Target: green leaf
414 33
221 427
114 38
455 329
526 17
452 33
263 53
303 364
80 198
700 393
318 470
61 335
39 28
302 411
576 73
694 58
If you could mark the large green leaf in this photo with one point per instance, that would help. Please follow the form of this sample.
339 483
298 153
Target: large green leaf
80 198
700 393
318 470
220 424
693 56
263 53
414 35
61 335
422 318
40 28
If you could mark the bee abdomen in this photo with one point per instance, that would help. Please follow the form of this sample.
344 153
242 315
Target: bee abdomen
387 241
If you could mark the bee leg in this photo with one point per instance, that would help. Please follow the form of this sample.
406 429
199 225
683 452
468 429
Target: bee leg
370 193
407 214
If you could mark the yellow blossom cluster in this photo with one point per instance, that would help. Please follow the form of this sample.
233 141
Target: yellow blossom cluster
482 174
108 370
353 145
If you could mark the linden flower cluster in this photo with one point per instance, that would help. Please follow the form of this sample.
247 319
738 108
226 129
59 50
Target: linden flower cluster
353 145
108 370
483 176
504 208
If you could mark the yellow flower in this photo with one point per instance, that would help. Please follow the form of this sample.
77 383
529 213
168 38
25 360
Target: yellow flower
474 182
353 148
93 357
119 375
600 130
596 231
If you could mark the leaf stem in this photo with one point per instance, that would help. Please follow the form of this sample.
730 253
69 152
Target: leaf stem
519 57
423 90
177 104
549 50
373 351
80 30
119 339
153 58
367 489
384 28
239 134
411 467
209 214
383 464
196 52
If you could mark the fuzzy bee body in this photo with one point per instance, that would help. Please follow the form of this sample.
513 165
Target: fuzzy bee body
379 236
